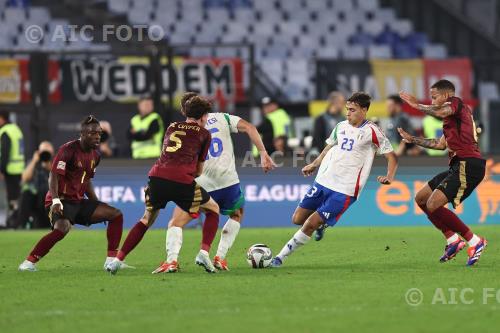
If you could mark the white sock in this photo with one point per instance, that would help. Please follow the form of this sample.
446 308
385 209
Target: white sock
174 243
297 241
452 239
474 240
228 235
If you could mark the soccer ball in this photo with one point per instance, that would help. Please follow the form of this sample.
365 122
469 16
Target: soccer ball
259 256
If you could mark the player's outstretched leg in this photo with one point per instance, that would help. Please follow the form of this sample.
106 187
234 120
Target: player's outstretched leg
476 243
228 235
301 237
61 228
134 236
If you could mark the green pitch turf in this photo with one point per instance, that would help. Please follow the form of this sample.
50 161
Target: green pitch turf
355 280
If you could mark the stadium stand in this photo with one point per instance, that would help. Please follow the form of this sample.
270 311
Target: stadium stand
288 35
287 32
17 16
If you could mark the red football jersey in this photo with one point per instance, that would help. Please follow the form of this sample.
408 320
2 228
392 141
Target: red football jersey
75 168
460 131
184 145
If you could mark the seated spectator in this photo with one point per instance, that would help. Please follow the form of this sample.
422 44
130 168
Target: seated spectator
326 122
108 143
397 118
34 186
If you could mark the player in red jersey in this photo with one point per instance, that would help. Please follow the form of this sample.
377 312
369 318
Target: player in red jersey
466 171
70 181
171 178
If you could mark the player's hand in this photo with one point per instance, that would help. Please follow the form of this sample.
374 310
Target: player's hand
406 136
384 180
409 99
266 162
57 206
308 169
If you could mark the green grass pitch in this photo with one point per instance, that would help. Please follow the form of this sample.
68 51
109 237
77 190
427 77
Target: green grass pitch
355 280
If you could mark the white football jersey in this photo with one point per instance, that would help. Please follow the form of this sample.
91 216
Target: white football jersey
219 170
346 166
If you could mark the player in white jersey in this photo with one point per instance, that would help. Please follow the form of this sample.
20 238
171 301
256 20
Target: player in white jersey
344 167
221 181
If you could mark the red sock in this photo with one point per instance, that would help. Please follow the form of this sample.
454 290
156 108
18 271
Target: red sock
453 222
133 238
438 223
45 244
209 230
114 234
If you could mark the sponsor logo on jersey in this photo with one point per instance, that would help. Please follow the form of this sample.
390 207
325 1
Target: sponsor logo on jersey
61 165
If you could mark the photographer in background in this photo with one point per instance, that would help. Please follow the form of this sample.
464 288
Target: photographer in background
34 182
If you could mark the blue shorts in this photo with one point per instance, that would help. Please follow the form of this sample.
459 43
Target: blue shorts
329 204
229 199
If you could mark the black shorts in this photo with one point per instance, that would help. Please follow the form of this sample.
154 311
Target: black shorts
76 212
189 197
460 180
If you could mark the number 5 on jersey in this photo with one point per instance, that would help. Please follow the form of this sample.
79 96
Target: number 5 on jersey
174 137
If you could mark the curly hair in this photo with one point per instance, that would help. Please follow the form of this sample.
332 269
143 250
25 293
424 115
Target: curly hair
197 106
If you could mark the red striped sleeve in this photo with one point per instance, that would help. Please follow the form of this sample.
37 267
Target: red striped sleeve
374 138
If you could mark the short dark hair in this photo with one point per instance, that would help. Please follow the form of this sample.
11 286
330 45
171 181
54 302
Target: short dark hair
361 98
396 99
444 85
186 97
5 115
89 120
196 107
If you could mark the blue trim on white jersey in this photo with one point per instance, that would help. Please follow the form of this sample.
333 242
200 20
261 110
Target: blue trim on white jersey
363 124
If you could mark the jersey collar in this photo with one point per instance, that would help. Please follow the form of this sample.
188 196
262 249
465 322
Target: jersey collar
363 124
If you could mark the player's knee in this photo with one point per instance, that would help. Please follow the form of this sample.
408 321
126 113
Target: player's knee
420 200
115 213
431 206
297 219
63 225
215 208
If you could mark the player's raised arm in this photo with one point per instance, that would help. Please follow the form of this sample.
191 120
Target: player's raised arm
438 144
439 111
266 161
